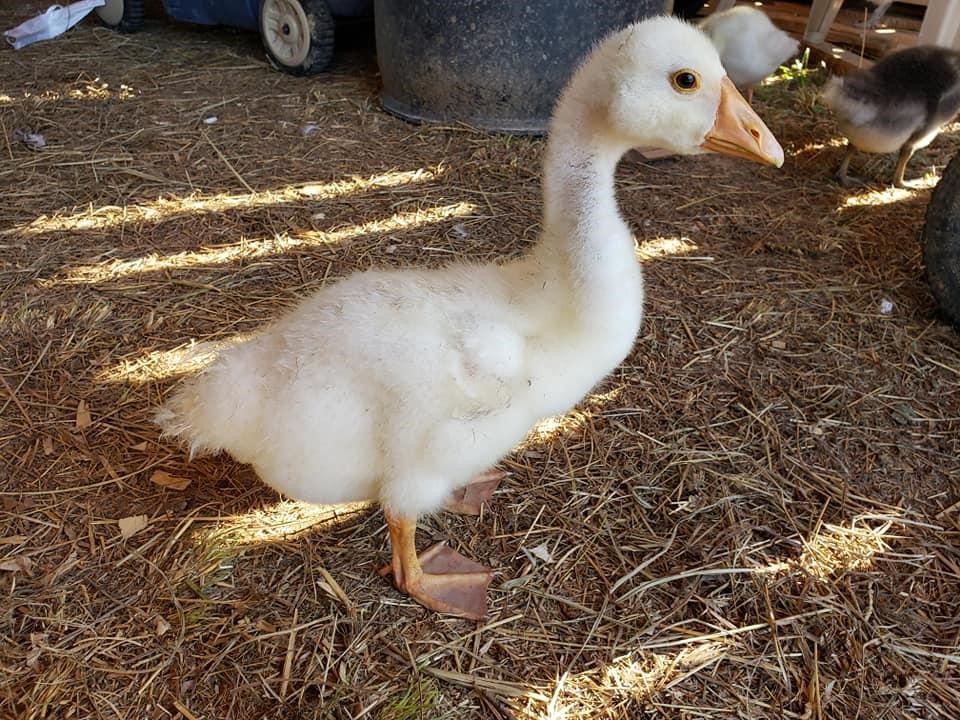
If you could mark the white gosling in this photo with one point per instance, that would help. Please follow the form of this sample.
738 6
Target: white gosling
403 386
751 47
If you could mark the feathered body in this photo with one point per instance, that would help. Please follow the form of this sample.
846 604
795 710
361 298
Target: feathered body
904 99
400 386
751 47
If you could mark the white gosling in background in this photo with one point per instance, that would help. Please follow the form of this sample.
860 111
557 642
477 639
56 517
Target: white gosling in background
898 105
751 47
402 386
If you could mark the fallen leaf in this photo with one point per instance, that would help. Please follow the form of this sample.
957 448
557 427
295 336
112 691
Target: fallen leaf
130 526
540 552
903 414
139 446
34 141
165 479
83 415
17 563
163 627
47 445
37 640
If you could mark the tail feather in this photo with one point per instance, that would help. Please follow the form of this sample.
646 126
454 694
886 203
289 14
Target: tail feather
178 418
212 411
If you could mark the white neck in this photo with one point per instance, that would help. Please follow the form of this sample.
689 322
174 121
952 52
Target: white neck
579 201
584 238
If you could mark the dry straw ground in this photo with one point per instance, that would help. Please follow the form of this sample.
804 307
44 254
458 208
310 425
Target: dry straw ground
755 516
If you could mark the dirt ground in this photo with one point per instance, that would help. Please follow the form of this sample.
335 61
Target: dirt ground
757 515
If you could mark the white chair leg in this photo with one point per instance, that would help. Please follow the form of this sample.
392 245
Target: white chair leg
941 23
822 15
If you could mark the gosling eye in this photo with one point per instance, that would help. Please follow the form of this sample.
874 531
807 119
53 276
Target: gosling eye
685 81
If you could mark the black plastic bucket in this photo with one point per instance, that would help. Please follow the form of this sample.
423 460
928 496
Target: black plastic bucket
493 64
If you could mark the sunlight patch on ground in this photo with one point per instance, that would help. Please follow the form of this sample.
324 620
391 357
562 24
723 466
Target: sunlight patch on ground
252 249
812 147
571 422
557 426
159 364
877 197
644 676
628 680
836 549
95 90
663 246
110 216
207 556
601 399
887 195
91 90
285 520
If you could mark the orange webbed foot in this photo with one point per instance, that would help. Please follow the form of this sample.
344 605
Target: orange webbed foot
469 499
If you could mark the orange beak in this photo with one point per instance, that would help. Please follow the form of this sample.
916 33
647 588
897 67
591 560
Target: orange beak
739 132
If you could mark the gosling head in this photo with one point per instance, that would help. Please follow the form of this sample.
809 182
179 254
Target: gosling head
660 83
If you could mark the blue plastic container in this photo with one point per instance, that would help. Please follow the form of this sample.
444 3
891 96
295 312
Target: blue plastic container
240 13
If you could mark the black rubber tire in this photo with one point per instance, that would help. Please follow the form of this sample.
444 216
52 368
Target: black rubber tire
941 242
318 33
124 16
687 8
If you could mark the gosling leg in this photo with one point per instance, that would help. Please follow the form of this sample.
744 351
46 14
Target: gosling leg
841 175
906 152
440 579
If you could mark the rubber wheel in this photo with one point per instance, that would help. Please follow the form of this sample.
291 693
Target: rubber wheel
297 34
687 8
941 242
124 16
